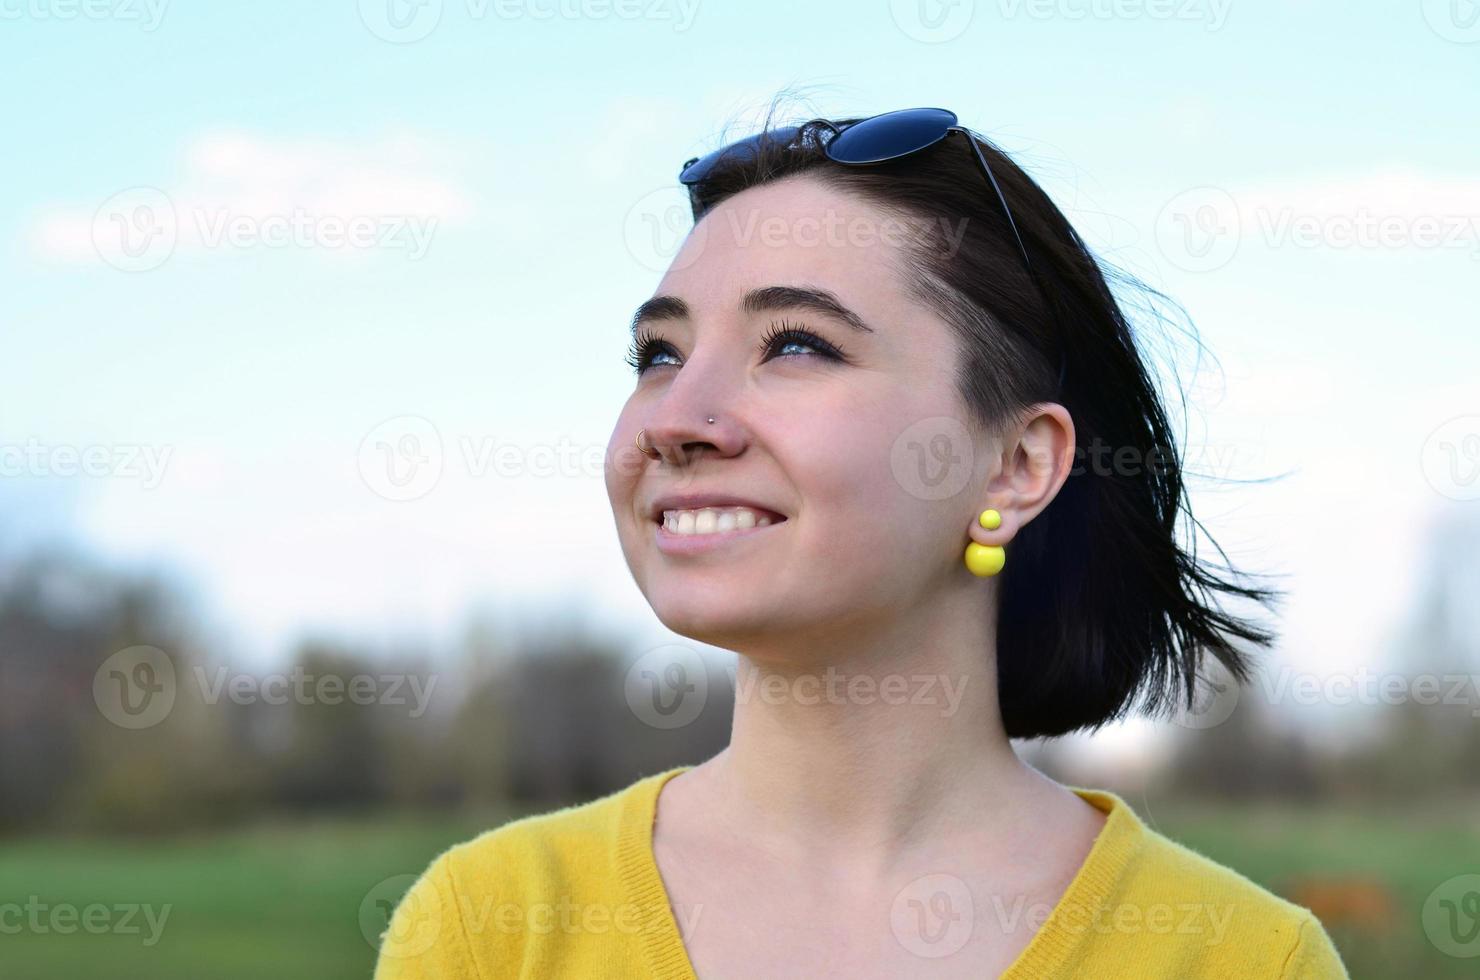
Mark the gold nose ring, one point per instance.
(653, 453)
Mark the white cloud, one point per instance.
(1402, 192)
(1375, 210)
(304, 192)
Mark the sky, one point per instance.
(250, 249)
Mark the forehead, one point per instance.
(790, 231)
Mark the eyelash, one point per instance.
(647, 344)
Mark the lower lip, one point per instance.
(692, 544)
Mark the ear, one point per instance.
(1036, 460)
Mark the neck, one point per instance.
(877, 741)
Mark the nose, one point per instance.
(709, 385)
(681, 440)
(691, 421)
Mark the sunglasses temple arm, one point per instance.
(982, 162)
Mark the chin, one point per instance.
(714, 620)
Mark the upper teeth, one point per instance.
(713, 520)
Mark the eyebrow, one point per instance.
(766, 299)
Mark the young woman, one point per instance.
(892, 441)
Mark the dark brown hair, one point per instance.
(1102, 606)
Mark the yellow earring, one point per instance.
(986, 559)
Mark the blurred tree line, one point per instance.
(534, 715)
(1409, 731)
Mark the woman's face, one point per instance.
(866, 458)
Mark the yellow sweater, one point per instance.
(577, 893)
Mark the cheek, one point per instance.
(621, 467)
(861, 523)
(847, 487)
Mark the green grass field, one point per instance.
(283, 900)
(277, 901)
(1411, 850)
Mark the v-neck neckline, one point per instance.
(1051, 947)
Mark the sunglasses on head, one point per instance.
(877, 139)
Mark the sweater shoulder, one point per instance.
(1193, 876)
(1227, 909)
(516, 898)
(553, 851)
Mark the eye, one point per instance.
(782, 335)
(650, 350)
(646, 347)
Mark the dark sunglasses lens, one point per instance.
(893, 134)
(740, 151)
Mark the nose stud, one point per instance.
(653, 453)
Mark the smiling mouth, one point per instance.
(705, 522)
(677, 542)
